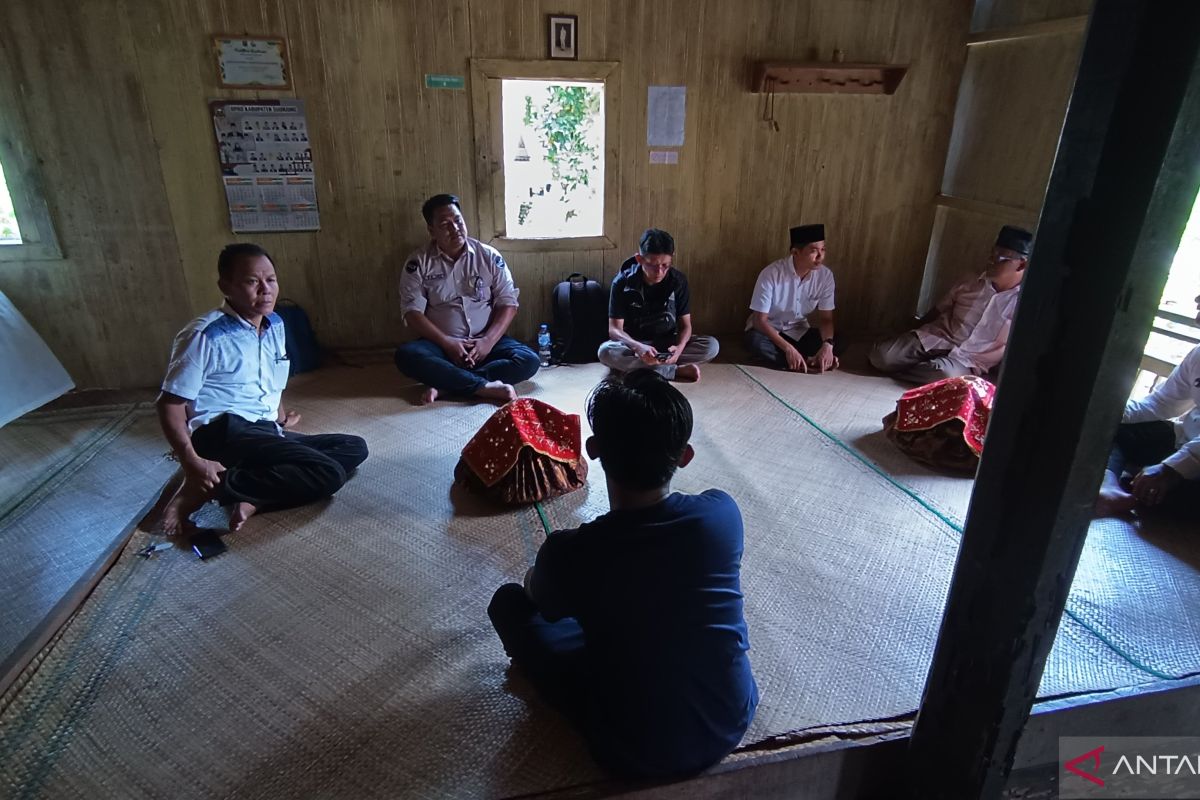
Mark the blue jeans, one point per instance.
(509, 362)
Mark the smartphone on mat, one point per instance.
(207, 544)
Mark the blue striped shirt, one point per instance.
(221, 365)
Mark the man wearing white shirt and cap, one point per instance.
(791, 310)
(967, 332)
(1159, 441)
(219, 406)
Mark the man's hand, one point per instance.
(824, 360)
(202, 472)
(480, 348)
(647, 354)
(290, 420)
(1152, 484)
(458, 351)
(676, 351)
(795, 361)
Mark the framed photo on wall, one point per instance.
(562, 31)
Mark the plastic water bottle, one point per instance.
(544, 345)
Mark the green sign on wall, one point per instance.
(445, 82)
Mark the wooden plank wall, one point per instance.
(114, 93)
(1008, 117)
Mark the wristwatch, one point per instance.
(828, 342)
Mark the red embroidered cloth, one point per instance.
(524, 422)
(968, 399)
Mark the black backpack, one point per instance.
(299, 337)
(580, 319)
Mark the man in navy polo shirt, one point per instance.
(632, 623)
(219, 406)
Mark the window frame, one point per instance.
(487, 77)
(22, 173)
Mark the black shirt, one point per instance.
(650, 312)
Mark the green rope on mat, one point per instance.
(859, 456)
(951, 523)
(542, 514)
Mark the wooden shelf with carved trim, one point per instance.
(784, 77)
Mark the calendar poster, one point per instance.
(266, 165)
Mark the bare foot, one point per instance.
(1113, 500)
(688, 372)
(497, 392)
(186, 501)
(428, 396)
(1114, 503)
(241, 512)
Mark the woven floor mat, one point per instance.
(852, 407)
(343, 649)
(1137, 587)
(70, 483)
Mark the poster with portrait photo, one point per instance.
(562, 31)
(266, 164)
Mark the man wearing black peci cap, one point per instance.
(967, 332)
(791, 311)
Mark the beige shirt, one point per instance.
(973, 323)
(457, 295)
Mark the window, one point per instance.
(546, 175)
(10, 232)
(25, 230)
(1175, 331)
(553, 159)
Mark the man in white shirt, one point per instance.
(1160, 434)
(791, 311)
(457, 295)
(219, 406)
(967, 332)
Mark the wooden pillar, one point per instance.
(1122, 186)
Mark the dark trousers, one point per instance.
(273, 471)
(760, 345)
(1138, 444)
(551, 654)
(509, 362)
(554, 657)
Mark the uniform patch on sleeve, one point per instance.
(411, 267)
(498, 260)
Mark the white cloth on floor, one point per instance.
(34, 375)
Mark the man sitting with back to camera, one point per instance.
(219, 407)
(650, 318)
(632, 624)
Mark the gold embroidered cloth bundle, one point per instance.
(943, 424)
(527, 451)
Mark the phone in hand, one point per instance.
(207, 544)
(662, 356)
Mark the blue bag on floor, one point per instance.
(300, 339)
